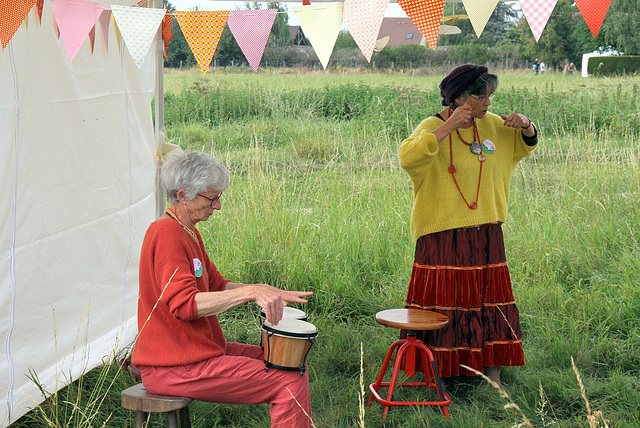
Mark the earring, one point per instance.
(184, 203)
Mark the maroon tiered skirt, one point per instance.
(463, 274)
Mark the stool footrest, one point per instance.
(381, 400)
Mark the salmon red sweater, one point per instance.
(172, 333)
(437, 203)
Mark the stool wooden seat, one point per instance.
(411, 320)
(143, 402)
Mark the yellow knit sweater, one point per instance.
(438, 204)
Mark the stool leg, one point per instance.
(172, 419)
(427, 355)
(385, 365)
(396, 369)
(185, 419)
(141, 419)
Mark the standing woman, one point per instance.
(460, 162)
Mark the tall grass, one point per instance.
(318, 202)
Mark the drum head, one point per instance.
(288, 312)
(290, 327)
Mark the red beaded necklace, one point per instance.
(481, 158)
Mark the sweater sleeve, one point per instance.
(180, 288)
(420, 148)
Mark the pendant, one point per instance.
(481, 158)
(475, 148)
(473, 206)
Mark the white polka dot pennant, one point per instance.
(479, 12)
(363, 18)
(321, 24)
(138, 27)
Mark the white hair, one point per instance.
(193, 172)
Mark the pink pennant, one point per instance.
(251, 30)
(75, 18)
(593, 12)
(105, 20)
(363, 18)
(537, 13)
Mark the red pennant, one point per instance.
(593, 12)
(167, 35)
(39, 7)
(12, 15)
(426, 16)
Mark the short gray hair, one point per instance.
(193, 172)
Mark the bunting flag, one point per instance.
(202, 29)
(479, 12)
(75, 18)
(138, 27)
(105, 19)
(39, 7)
(593, 12)
(251, 30)
(167, 35)
(116, 32)
(363, 18)
(426, 16)
(321, 24)
(12, 15)
(92, 37)
(537, 13)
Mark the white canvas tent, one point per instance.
(77, 165)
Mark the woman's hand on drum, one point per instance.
(273, 300)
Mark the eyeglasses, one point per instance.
(482, 98)
(212, 200)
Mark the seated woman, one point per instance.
(181, 348)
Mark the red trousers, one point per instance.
(238, 377)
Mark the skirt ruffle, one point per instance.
(463, 274)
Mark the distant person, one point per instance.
(460, 161)
(181, 348)
(565, 69)
(536, 64)
(543, 67)
(571, 68)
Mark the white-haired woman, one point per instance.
(181, 348)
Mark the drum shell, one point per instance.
(286, 350)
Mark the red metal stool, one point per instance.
(411, 320)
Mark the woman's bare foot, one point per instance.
(493, 373)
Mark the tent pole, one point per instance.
(159, 113)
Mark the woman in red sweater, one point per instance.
(181, 348)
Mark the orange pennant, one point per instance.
(12, 15)
(92, 37)
(426, 15)
(39, 7)
(202, 29)
(593, 12)
(167, 35)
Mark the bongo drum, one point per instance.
(287, 344)
(287, 312)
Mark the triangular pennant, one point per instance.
(251, 30)
(39, 7)
(105, 20)
(12, 15)
(92, 37)
(75, 18)
(116, 32)
(167, 35)
(426, 16)
(138, 27)
(593, 12)
(363, 18)
(202, 29)
(537, 13)
(479, 12)
(321, 24)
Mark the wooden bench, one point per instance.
(138, 399)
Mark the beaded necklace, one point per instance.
(476, 151)
(175, 217)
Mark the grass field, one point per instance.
(318, 202)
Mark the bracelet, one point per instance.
(528, 125)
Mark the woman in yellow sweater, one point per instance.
(460, 162)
